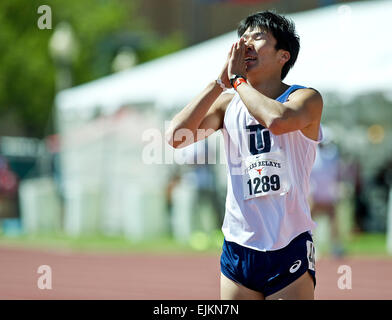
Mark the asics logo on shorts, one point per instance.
(295, 266)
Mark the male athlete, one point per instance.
(271, 131)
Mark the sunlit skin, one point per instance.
(255, 57)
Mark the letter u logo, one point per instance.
(259, 139)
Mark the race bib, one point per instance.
(265, 174)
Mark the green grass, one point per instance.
(116, 244)
(368, 244)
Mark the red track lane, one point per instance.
(162, 277)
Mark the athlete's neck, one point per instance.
(272, 88)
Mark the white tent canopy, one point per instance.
(345, 49)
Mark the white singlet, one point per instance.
(267, 180)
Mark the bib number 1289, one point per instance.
(263, 184)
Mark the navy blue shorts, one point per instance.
(269, 271)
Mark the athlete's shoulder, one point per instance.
(307, 92)
(225, 99)
(306, 96)
(214, 119)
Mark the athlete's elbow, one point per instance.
(178, 138)
(276, 126)
(169, 138)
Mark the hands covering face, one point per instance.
(235, 63)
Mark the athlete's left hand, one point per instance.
(237, 65)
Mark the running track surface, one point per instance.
(162, 277)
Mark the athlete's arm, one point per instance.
(301, 112)
(203, 115)
(303, 109)
(200, 118)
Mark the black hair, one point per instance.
(283, 30)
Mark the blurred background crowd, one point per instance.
(77, 100)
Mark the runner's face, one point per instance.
(261, 55)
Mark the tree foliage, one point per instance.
(28, 72)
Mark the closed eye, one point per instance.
(258, 36)
(255, 36)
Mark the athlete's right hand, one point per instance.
(224, 73)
